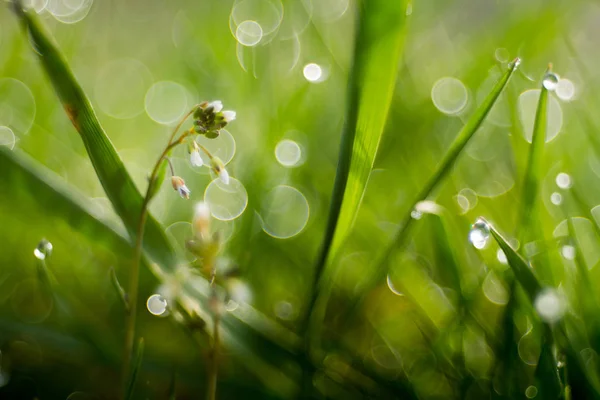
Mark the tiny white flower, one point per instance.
(224, 176)
(195, 158)
(228, 115)
(216, 105)
(179, 186)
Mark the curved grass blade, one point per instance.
(523, 272)
(137, 363)
(379, 266)
(378, 46)
(534, 172)
(116, 181)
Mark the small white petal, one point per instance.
(224, 176)
(229, 115)
(195, 158)
(184, 191)
(216, 105)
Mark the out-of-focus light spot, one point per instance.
(393, 288)
(462, 202)
(568, 252)
(501, 256)
(449, 95)
(550, 81)
(285, 212)
(565, 90)
(268, 14)
(239, 290)
(502, 55)
(249, 33)
(479, 234)
(37, 5)
(312, 72)
(429, 207)
(284, 310)
(409, 9)
(549, 305)
(529, 348)
(223, 146)
(7, 137)
(528, 101)
(156, 304)
(329, 10)
(531, 392)
(69, 11)
(231, 305)
(166, 102)
(120, 88)
(494, 289)
(296, 17)
(17, 106)
(226, 202)
(288, 153)
(556, 198)
(563, 180)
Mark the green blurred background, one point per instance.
(436, 328)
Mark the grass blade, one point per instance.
(523, 272)
(379, 267)
(137, 362)
(113, 176)
(378, 45)
(534, 172)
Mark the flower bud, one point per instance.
(219, 169)
(201, 220)
(229, 115)
(195, 158)
(179, 186)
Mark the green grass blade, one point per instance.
(137, 363)
(378, 45)
(113, 176)
(379, 266)
(523, 272)
(534, 172)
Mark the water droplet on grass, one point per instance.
(479, 234)
(550, 81)
(501, 257)
(156, 304)
(416, 214)
(43, 250)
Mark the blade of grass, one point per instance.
(137, 363)
(378, 45)
(116, 181)
(534, 172)
(379, 266)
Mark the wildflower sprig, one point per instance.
(209, 119)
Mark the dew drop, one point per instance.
(479, 234)
(43, 250)
(550, 81)
(516, 62)
(549, 305)
(556, 198)
(563, 180)
(416, 214)
(156, 304)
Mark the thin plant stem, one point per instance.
(213, 370)
(137, 254)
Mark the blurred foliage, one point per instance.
(449, 321)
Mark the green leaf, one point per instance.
(113, 176)
(137, 362)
